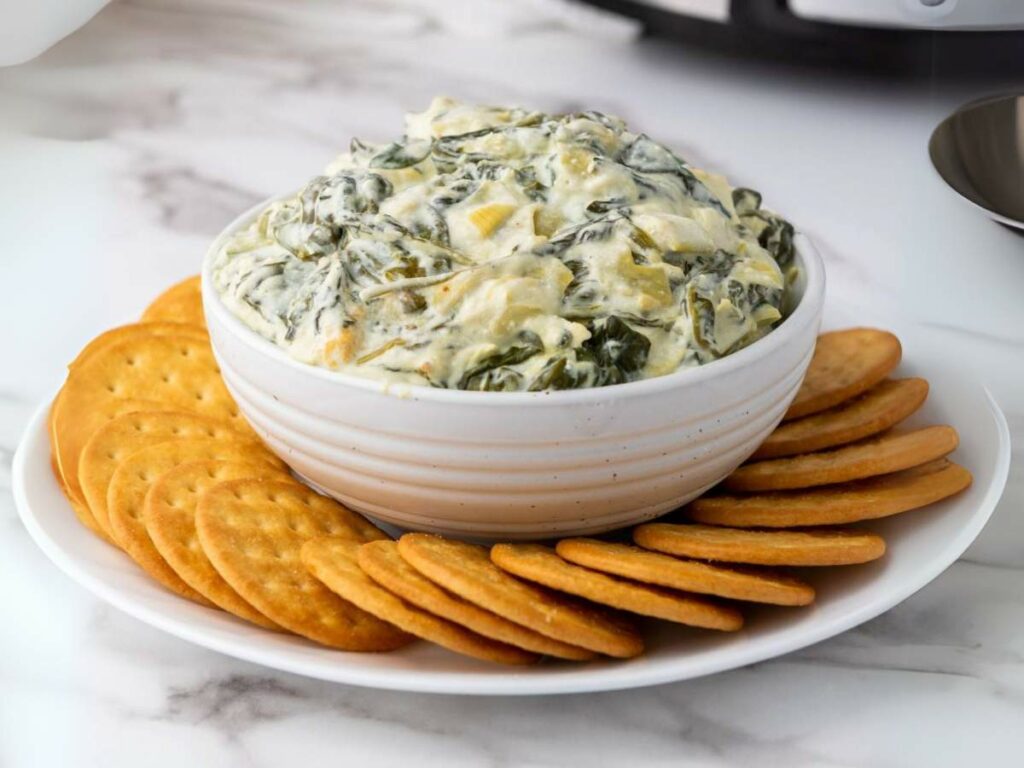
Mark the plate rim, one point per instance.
(616, 676)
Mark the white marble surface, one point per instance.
(126, 147)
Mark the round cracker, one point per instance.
(686, 575)
(833, 505)
(880, 408)
(177, 372)
(109, 338)
(81, 510)
(845, 364)
(253, 532)
(739, 545)
(466, 569)
(878, 456)
(181, 303)
(543, 566)
(79, 507)
(381, 561)
(123, 435)
(169, 513)
(132, 479)
(134, 330)
(334, 562)
(77, 433)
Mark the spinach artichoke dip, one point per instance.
(502, 249)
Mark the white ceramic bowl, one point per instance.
(520, 464)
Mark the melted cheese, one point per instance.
(495, 248)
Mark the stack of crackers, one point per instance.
(154, 457)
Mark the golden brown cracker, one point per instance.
(107, 339)
(181, 303)
(467, 570)
(253, 532)
(78, 506)
(740, 545)
(132, 479)
(169, 513)
(835, 504)
(543, 566)
(333, 561)
(51, 433)
(78, 428)
(134, 330)
(686, 575)
(82, 511)
(882, 455)
(845, 364)
(381, 561)
(124, 435)
(881, 407)
(177, 372)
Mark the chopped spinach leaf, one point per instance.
(745, 201)
(401, 154)
(619, 351)
(530, 345)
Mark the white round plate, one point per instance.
(922, 544)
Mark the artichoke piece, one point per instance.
(488, 218)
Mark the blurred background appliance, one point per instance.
(926, 37)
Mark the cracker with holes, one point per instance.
(253, 532)
(837, 504)
(333, 561)
(63, 445)
(176, 371)
(629, 562)
(181, 303)
(878, 456)
(135, 330)
(845, 364)
(466, 570)
(542, 565)
(381, 561)
(132, 479)
(169, 514)
(124, 435)
(67, 473)
(739, 545)
(881, 407)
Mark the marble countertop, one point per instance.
(125, 148)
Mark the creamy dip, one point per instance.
(501, 249)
